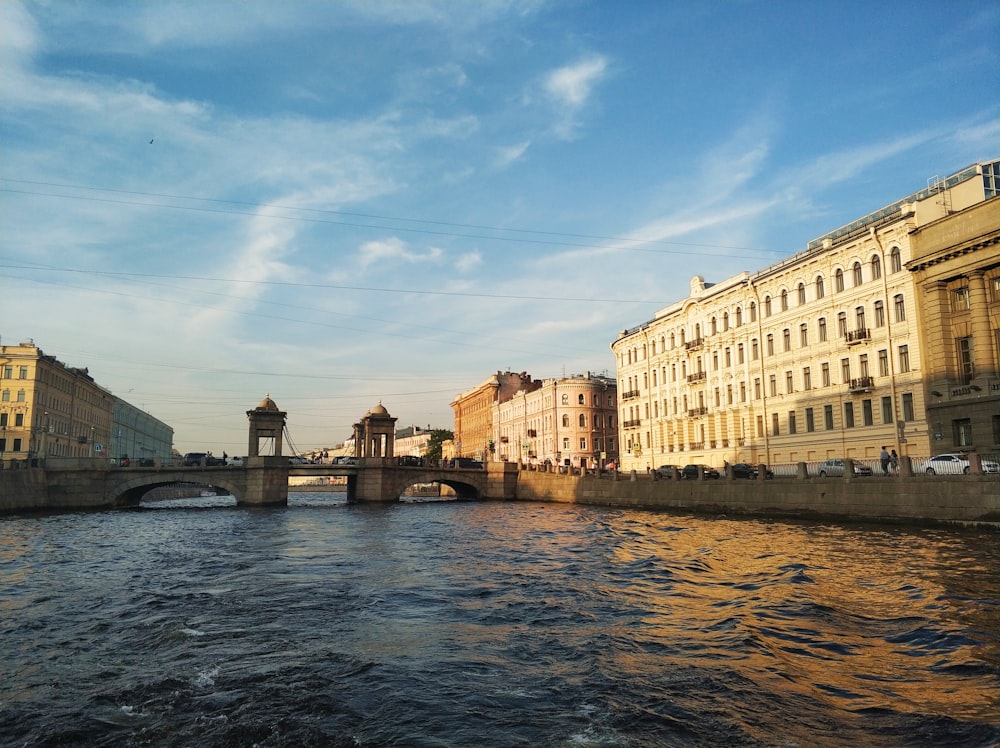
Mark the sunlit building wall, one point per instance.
(817, 356)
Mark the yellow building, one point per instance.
(817, 356)
(474, 411)
(50, 410)
(956, 264)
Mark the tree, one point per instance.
(433, 451)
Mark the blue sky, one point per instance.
(352, 202)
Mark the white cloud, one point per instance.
(469, 261)
(395, 249)
(571, 85)
(512, 153)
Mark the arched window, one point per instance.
(786, 336)
(857, 274)
(876, 267)
(739, 316)
(753, 311)
(565, 399)
(820, 292)
(715, 327)
(803, 335)
(682, 337)
(842, 324)
(581, 400)
(802, 294)
(784, 300)
(672, 342)
(859, 317)
(822, 329)
(900, 307)
(697, 331)
(767, 306)
(838, 280)
(583, 421)
(770, 344)
(895, 260)
(565, 420)
(725, 321)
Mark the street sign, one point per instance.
(98, 447)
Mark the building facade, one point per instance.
(956, 265)
(817, 356)
(568, 421)
(474, 411)
(50, 410)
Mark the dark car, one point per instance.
(666, 471)
(690, 472)
(197, 459)
(411, 461)
(744, 470)
(465, 462)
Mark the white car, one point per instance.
(956, 464)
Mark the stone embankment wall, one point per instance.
(970, 499)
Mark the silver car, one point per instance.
(956, 464)
(835, 468)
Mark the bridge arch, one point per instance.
(130, 489)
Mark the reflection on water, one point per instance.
(455, 624)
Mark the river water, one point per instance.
(190, 623)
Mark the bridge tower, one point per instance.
(375, 433)
(266, 422)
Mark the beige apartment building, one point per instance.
(568, 421)
(474, 412)
(956, 265)
(51, 410)
(820, 355)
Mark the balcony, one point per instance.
(862, 384)
(698, 376)
(631, 424)
(630, 394)
(692, 412)
(857, 336)
(694, 345)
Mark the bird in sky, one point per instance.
(151, 141)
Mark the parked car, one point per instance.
(690, 472)
(465, 462)
(956, 464)
(666, 471)
(345, 460)
(835, 468)
(744, 470)
(234, 461)
(197, 459)
(299, 460)
(411, 461)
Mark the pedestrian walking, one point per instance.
(894, 461)
(884, 459)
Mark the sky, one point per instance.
(346, 203)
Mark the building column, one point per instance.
(982, 339)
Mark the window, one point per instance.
(802, 294)
(20, 396)
(717, 397)
(857, 274)
(962, 431)
(725, 321)
(825, 370)
(908, 406)
(810, 420)
(8, 372)
(566, 444)
(565, 421)
(786, 336)
(580, 399)
(583, 421)
(760, 425)
(867, 416)
(774, 424)
(739, 316)
(883, 363)
(863, 364)
(755, 349)
(994, 284)
(838, 280)
(879, 314)
(960, 299)
(729, 394)
(729, 358)
(822, 329)
(845, 370)
(996, 429)
(789, 383)
(739, 353)
(767, 306)
(842, 324)
(784, 300)
(5, 396)
(583, 443)
(820, 292)
(859, 317)
(807, 381)
(848, 415)
(887, 409)
(965, 367)
(743, 392)
(900, 306)
(876, 267)
(828, 417)
(565, 397)
(770, 344)
(803, 335)
(772, 382)
(904, 358)
(22, 372)
(756, 388)
(895, 260)
(753, 311)
(715, 327)
(791, 422)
